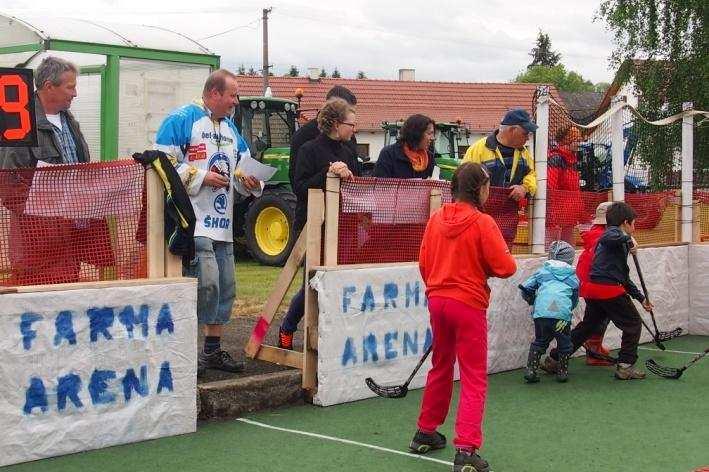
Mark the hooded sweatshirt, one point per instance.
(461, 248)
(554, 290)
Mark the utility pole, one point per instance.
(265, 69)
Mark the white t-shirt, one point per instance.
(56, 120)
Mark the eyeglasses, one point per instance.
(346, 123)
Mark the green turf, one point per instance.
(592, 423)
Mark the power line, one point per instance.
(247, 25)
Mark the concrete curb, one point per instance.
(224, 399)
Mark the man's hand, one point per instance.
(647, 305)
(251, 183)
(216, 180)
(518, 192)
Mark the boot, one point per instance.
(550, 365)
(469, 461)
(628, 372)
(425, 442)
(595, 343)
(562, 371)
(530, 373)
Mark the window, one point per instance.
(362, 150)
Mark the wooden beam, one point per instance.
(289, 271)
(332, 218)
(373, 265)
(173, 264)
(313, 228)
(96, 285)
(280, 356)
(435, 201)
(156, 225)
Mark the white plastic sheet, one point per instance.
(62, 392)
(382, 327)
(699, 289)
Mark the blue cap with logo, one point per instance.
(521, 118)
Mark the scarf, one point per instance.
(417, 157)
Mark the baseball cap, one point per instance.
(601, 210)
(521, 118)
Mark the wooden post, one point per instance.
(617, 147)
(537, 231)
(332, 218)
(687, 232)
(313, 228)
(678, 216)
(156, 225)
(435, 201)
(696, 222)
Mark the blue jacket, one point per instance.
(553, 289)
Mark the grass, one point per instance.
(254, 282)
(592, 423)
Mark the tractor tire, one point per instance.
(269, 226)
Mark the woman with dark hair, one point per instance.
(326, 153)
(461, 248)
(411, 156)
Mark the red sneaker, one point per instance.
(596, 344)
(285, 340)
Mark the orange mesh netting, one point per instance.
(383, 220)
(72, 223)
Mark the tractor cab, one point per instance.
(449, 146)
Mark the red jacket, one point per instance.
(588, 289)
(461, 248)
(564, 204)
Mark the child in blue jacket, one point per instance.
(554, 292)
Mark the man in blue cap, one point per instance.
(511, 165)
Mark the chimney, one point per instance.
(313, 73)
(407, 74)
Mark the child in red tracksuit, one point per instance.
(588, 289)
(461, 248)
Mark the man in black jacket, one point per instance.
(610, 267)
(310, 131)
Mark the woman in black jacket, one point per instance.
(411, 156)
(326, 153)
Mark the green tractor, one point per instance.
(451, 141)
(265, 224)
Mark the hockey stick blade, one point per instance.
(667, 335)
(662, 371)
(395, 391)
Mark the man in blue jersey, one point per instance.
(205, 147)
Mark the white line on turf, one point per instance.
(668, 350)
(344, 441)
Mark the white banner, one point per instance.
(90, 368)
(698, 292)
(374, 322)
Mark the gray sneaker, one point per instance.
(469, 462)
(628, 372)
(219, 360)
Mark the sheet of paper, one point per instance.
(248, 166)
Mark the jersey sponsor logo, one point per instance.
(217, 138)
(219, 163)
(197, 152)
(220, 203)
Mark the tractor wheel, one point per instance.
(269, 226)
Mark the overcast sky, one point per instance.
(444, 40)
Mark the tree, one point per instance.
(671, 37)
(293, 72)
(567, 81)
(601, 87)
(241, 70)
(336, 74)
(251, 71)
(542, 55)
(361, 75)
(323, 73)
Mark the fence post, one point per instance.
(617, 150)
(156, 225)
(687, 172)
(435, 201)
(541, 147)
(332, 218)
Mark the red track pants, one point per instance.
(458, 331)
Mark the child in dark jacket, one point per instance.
(611, 273)
(554, 292)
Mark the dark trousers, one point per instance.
(622, 312)
(546, 329)
(295, 313)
